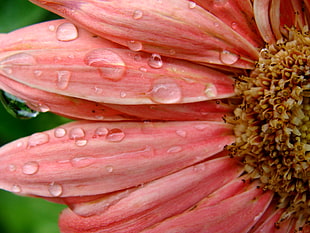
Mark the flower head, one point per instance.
(208, 110)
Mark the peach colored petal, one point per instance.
(89, 158)
(153, 25)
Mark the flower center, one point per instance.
(272, 124)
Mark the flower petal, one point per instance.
(153, 25)
(89, 158)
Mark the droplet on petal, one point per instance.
(135, 45)
(38, 139)
(137, 14)
(60, 132)
(210, 90)
(115, 135)
(228, 58)
(16, 188)
(174, 149)
(19, 59)
(155, 61)
(55, 189)
(191, 5)
(30, 168)
(101, 131)
(66, 32)
(181, 133)
(63, 79)
(12, 168)
(109, 168)
(81, 142)
(83, 161)
(110, 64)
(76, 133)
(165, 91)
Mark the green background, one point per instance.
(24, 214)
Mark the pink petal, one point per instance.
(84, 158)
(154, 201)
(116, 76)
(153, 25)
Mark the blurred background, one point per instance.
(25, 214)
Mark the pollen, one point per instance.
(272, 124)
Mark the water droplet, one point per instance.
(216, 24)
(51, 28)
(38, 107)
(137, 14)
(81, 142)
(234, 25)
(12, 168)
(191, 5)
(172, 52)
(199, 167)
(30, 168)
(111, 65)
(134, 45)
(155, 61)
(98, 90)
(66, 32)
(174, 149)
(201, 127)
(76, 133)
(109, 168)
(143, 69)
(55, 189)
(63, 78)
(19, 59)
(82, 161)
(165, 91)
(16, 188)
(60, 132)
(19, 144)
(181, 133)
(37, 73)
(38, 139)
(101, 131)
(210, 90)
(228, 58)
(137, 58)
(115, 135)
(123, 94)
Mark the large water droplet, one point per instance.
(63, 79)
(60, 132)
(155, 61)
(66, 32)
(137, 14)
(38, 139)
(76, 133)
(115, 135)
(101, 131)
(228, 58)
(83, 161)
(55, 189)
(16, 188)
(110, 64)
(210, 90)
(165, 91)
(19, 59)
(135, 45)
(30, 168)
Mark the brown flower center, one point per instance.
(272, 124)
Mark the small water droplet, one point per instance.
(83, 161)
(216, 24)
(16, 188)
(55, 189)
(115, 135)
(134, 45)
(38, 107)
(191, 5)
(201, 127)
(76, 133)
(137, 14)
(137, 58)
(172, 52)
(37, 73)
(210, 90)
(228, 58)
(111, 65)
(98, 90)
(199, 167)
(81, 142)
(19, 144)
(38, 139)
(30, 168)
(12, 168)
(174, 149)
(51, 28)
(101, 131)
(181, 133)
(66, 32)
(165, 91)
(60, 132)
(123, 94)
(63, 79)
(109, 168)
(155, 61)
(99, 118)
(234, 25)
(143, 69)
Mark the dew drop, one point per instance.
(109, 168)
(66, 32)
(123, 94)
(137, 14)
(51, 28)
(60, 132)
(55, 189)
(38, 139)
(12, 168)
(210, 90)
(82, 161)
(155, 61)
(38, 107)
(19, 59)
(37, 73)
(19, 144)
(135, 45)
(234, 25)
(81, 142)
(115, 135)
(165, 91)
(181, 133)
(63, 79)
(143, 69)
(191, 5)
(200, 127)
(101, 131)
(16, 188)
(76, 133)
(174, 149)
(111, 65)
(30, 168)
(228, 58)
(137, 58)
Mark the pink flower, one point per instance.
(193, 116)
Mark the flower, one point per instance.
(208, 110)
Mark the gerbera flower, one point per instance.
(223, 85)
